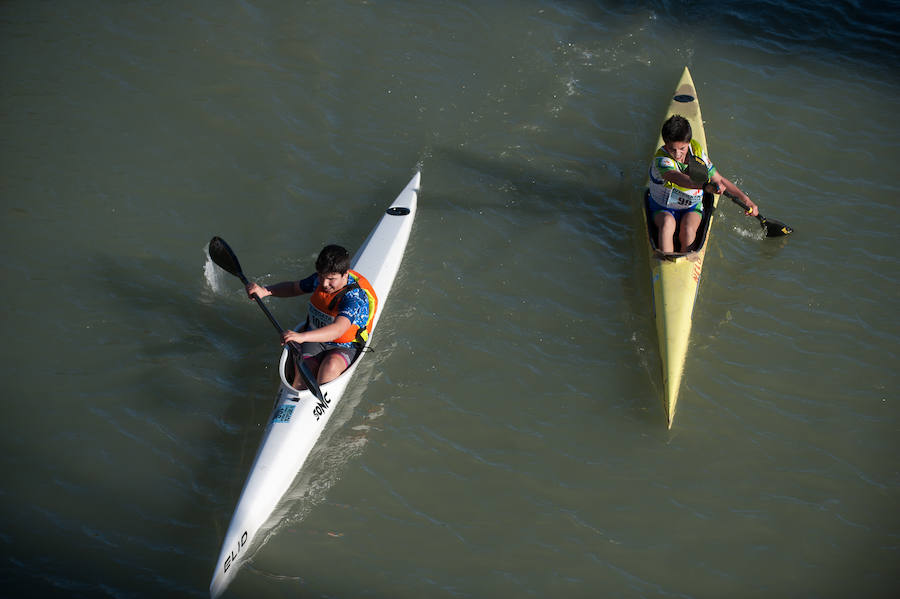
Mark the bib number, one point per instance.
(680, 200)
(318, 319)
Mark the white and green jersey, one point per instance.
(665, 193)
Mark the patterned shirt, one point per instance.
(354, 306)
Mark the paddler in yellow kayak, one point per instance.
(340, 314)
(674, 196)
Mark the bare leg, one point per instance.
(665, 223)
(690, 222)
(331, 368)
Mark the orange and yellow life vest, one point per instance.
(324, 307)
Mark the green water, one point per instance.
(507, 438)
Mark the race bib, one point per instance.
(680, 200)
(318, 319)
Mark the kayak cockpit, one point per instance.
(709, 207)
(286, 369)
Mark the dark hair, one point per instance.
(676, 128)
(333, 259)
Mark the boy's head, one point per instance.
(333, 259)
(676, 128)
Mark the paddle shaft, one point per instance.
(746, 208)
(295, 348)
(773, 228)
(262, 305)
(224, 257)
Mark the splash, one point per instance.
(755, 233)
(213, 274)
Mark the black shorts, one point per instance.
(315, 351)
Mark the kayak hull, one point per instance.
(675, 278)
(298, 418)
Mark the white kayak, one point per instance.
(298, 417)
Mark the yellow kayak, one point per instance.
(676, 277)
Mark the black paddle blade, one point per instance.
(697, 170)
(222, 255)
(776, 229)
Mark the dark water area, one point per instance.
(507, 437)
(841, 32)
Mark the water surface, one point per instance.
(507, 438)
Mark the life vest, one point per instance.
(666, 193)
(323, 309)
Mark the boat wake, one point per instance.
(325, 466)
(327, 462)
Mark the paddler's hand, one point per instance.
(753, 209)
(259, 290)
(291, 336)
(713, 187)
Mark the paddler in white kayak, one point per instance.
(674, 196)
(340, 314)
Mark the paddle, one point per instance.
(699, 174)
(773, 228)
(223, 256)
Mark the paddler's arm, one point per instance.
(285, 289)
(723, 184)
(320, 335)
(680, 179)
